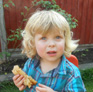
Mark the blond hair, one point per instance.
(43, 22)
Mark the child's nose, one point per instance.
(51, 44)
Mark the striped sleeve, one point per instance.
(75, 84)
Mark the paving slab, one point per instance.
(6, 77)
(86, 66)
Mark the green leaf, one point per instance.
(24, 19)
(86, 50)
(11, 39)
(83, 55)
(69, 15)
(74, 26)
(22, 13)
(5, 73)
(18, 29)
(6, 53)
(53, 1)
(6, 5)
(10, 1)
(16, 35)
(26, 7)
(20, 37)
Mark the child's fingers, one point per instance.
(15, 77)
(39, 89)
(43, 86)
(20, 83)
(19, 79)
(22, 87)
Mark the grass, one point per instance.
(87, 76)
(8, 86)
(89, 85)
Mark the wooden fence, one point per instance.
(82, 10)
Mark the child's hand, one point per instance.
(18, 81)
(43, 88)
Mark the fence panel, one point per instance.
(82, 10)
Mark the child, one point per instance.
(47, 42)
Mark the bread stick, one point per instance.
(29, 81)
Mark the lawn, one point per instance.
(10, 87)
(89, 85)
(87, 76)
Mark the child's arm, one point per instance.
(75, 85)
(18, 81)
(43, 88)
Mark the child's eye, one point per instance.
(58, 37)
(43, 38)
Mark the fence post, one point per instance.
(2, 32)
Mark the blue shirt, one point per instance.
(65, 78)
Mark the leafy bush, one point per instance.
(47, 5)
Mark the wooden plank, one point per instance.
(84, 21)
(65, 5)
(10, 21)
(18, 11)
(91, 33)
(68, 4)
(89, 21)
(61, 4)
(74, 12)
(28, 4)
(78, 15)
(80, 10)
(19, 18)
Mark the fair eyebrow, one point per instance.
(55, 34)
(61, 35)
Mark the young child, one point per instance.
(47, 42)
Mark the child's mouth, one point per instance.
(51, 53)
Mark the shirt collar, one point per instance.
(36, 63)
(61, 69)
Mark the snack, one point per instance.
(29, 81)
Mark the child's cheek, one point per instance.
(40, 49)
(61, 47)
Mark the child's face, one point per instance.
(50, 47)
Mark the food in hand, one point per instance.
(29, 81)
